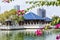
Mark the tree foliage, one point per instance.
(55, 20)
(42, 3)
(8, 1)
(7, 14)
(12, 15)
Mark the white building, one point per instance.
(0, 9)
(41, 12)
(17, 7)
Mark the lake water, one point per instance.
(16, 35)
(47, 37)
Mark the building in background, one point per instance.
(0, 9)
(41, 12)
(17, 7)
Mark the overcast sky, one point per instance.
(50, 10)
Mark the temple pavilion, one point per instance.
(31, 19)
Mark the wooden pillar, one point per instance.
(34, 22)
(29, 22)
(19, 23)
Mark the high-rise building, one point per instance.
(41, 12)
(17, 7)
(0, 9)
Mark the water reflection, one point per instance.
(18, 35)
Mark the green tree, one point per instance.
(42, 3)
(55, 20)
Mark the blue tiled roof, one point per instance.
(32, 16)
(47, 19)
